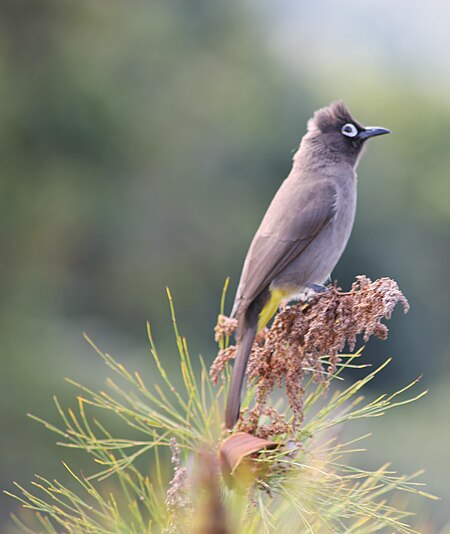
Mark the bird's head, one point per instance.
(334, 127)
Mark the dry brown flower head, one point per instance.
(178, 498)
(307, 340)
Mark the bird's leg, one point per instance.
(317, 288)
(304, 296)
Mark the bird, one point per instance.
(303, 232)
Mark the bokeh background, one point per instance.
(141, 142)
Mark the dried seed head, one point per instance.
(225, 327)
(178, 499)
(223, 356)
(307, 340)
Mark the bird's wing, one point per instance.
(292, 222)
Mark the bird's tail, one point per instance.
(256, 318)
(237, 377)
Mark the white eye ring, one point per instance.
(349, 129)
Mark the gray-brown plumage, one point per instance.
(303, 232)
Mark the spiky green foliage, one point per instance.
(306, 488)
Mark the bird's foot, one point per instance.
(305, 296)
(317, 288)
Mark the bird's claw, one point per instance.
(318, 288)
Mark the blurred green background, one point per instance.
(141, 142)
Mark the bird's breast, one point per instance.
(316, 262)
(345, 212)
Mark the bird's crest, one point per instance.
(331, 118)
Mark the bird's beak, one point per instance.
(372, 131)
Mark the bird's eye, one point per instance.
(349, 129)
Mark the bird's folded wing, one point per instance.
(289, 226)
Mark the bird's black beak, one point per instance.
(372, 131)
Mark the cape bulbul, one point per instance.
(303, 232)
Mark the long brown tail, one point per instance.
(237, 377)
